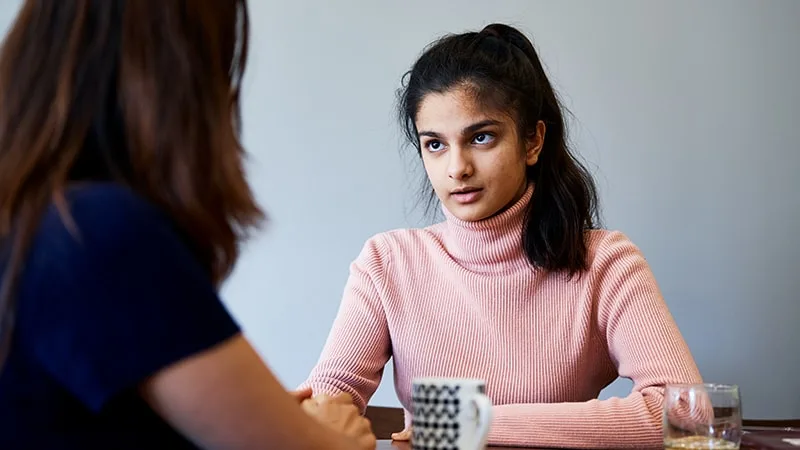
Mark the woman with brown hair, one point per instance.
(122, 206)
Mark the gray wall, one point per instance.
(686, 111)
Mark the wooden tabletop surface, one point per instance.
(389, 445)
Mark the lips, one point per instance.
(465, 190)
(466, 195)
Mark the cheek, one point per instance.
(512, 167)
(432, 171)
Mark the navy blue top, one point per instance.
(97, 312)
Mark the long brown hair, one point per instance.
(140, 92)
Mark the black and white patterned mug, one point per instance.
(449, 414)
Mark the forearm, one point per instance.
(226, 398)
(358, 345)
(630, 422)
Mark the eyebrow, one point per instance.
(467, 130)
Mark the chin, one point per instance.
(470, 213)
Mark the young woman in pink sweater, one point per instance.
(517, 286)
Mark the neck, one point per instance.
(491, 245)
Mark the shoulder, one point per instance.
(105, 212)
(394, 246)
(103, 218)
(610, 246)
(617, 264)
(107, 242)
(101, 228)
(618, 271)
(108, 195)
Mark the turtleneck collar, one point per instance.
(491, 245)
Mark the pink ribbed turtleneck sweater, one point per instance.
(458, 299)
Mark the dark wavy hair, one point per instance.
(501, 68)
(140, 92)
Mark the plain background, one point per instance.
(687, 112)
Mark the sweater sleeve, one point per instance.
(643, 342)
(358, 346)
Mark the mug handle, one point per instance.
(484, 407)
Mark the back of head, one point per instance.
(139, 92)
(500, 67)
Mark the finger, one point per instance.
(302, 394)
(404, 435)
(322, 398)
(343, 397)
(309, 405)
(370, 442)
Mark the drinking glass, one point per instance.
(702, 416)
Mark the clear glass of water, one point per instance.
(702, 416)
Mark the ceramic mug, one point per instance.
(449, 413)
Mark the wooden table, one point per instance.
(389, 445)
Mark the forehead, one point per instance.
(453, 110)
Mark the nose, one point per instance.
(459, 166)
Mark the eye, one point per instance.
(434, 146)
(483, 138)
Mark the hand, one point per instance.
(404, 435)
(340, 415)
(302, 394)
(342, 398)
(310, 403)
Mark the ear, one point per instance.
(534, 144)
